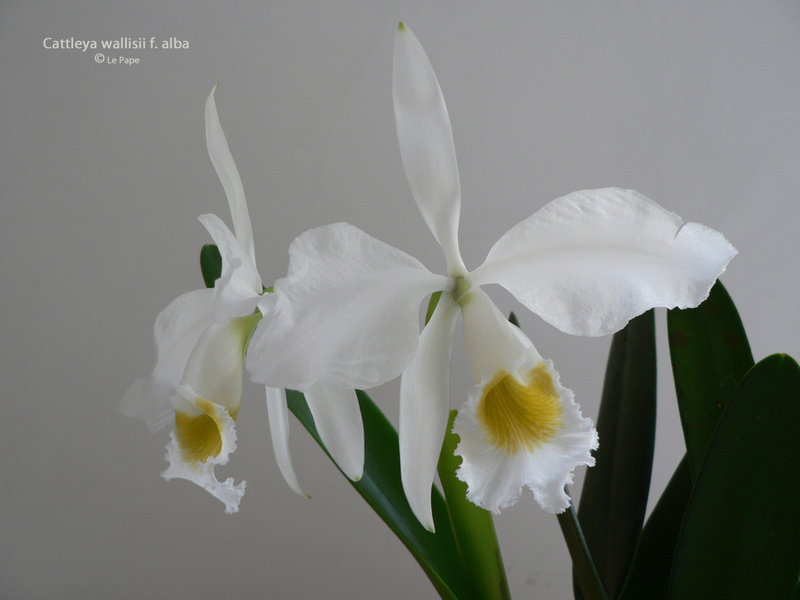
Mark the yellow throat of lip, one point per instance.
(200, 437)
(519, 415)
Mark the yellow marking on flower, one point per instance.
(518, 415)
(199, 436)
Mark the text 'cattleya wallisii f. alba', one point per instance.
(201, 342)
(586, 263)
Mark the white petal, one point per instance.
(229, 176)
(495, 478)
(426, 142)
(279, 430)
(179, 456)
(206, 405)
(424, 409)
(238, 290)
(348, 312)
(496, 472)
(214, 369)
(337, 417)
(177, 329)
(590, 261)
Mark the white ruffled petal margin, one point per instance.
(279, 430)
(495, 479)
(337, 417)
(590, 261)
(177, 329)
(228, 174)
(347, 313)
(426, 143)
(543, 447)
(424, 409)
(182, 457)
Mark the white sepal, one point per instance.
(424, 409)
(337, 417)
(279, 430)
(426, 143)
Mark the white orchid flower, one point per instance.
(586, 263)
(201, 341)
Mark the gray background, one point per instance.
(104, 169)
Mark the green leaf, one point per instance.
(587, 582)
(473, 527)
(649, 576)
(741, 534)
(710, 356)
(381, 487)
(434, 301)
(210, 264)
(615, 490)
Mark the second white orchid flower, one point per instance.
(587, 263)
(201, 341)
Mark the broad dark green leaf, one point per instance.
(741, 534)
(211, 264)
(710, 356)
(614, 496)
(473, 527)
(649, 576)
(381, 487)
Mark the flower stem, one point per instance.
(582, 562)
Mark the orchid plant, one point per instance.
(591, 263)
